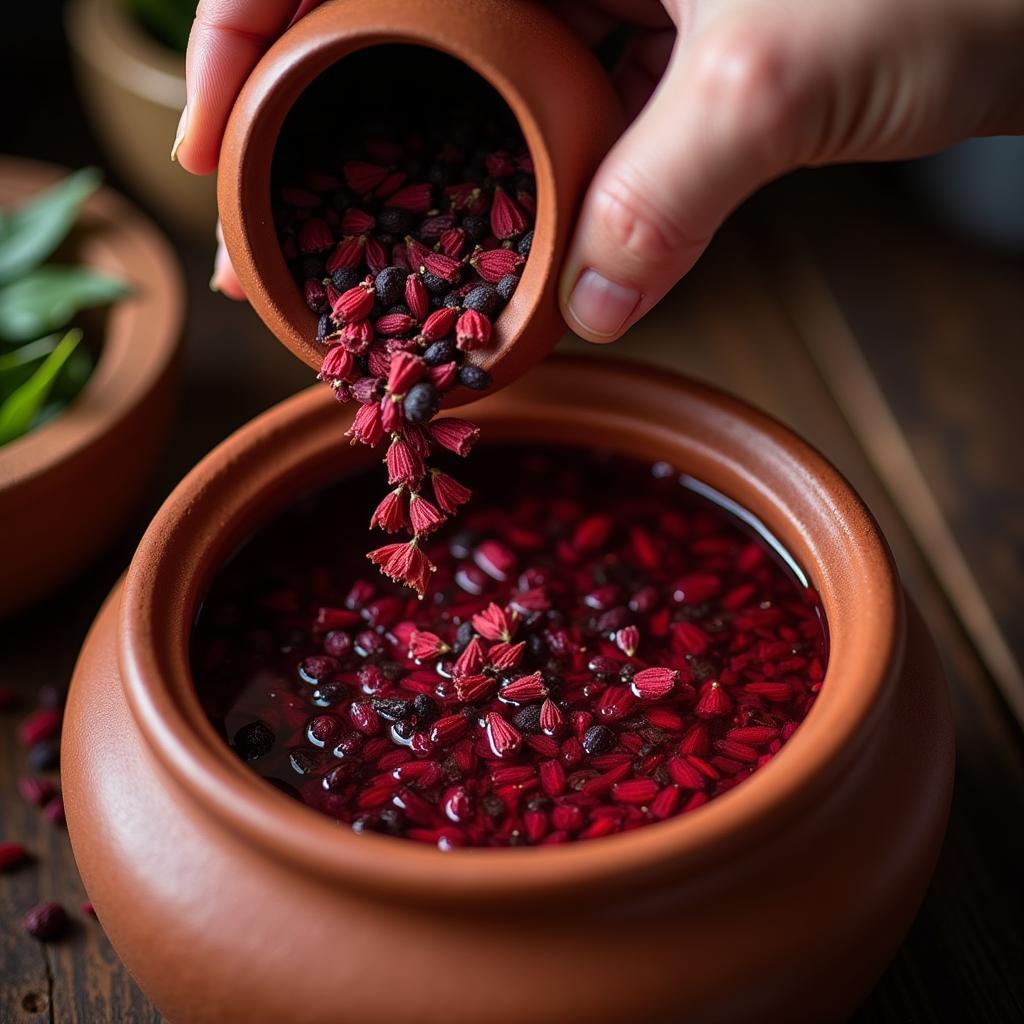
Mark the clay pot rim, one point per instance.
(306, 50)
(143, 331)
(225, 493)
(104, 35)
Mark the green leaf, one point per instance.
(18, 365)
(46, 299)
(31, 233)
(19, 410)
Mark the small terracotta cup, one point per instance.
(782, 900)
(66, 488)
(560, 95)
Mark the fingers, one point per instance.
(224, 279)
(726, 117)
(228, 38)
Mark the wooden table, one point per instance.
(831, 302)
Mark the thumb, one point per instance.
(729, 114)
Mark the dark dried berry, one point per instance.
(398, 308)
(598, 739)
(484, 299)
(440, 352)
(337, 778)
(46, 921)
(420, 403)
(254, 740)
(434, 284)
(475, 227)
(463, 635)
(527, 719)
(324, 327)
(523, 248)
(317, 668)
(389, 286)
(344, 278)
(329, 694)
(475, 378)
(45, 755)
(394, 221)
(506, 286)
(452, 301)
(427, 709)
(394, 709)
(303, 761)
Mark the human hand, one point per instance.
(726, 95)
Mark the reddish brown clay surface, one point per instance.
(562, 98)
(782, 900)
(67, 487)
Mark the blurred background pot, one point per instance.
(133, 87)
(782, 900)
(69, 485)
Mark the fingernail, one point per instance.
(179, 137)
(601, 307)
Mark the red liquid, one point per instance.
(601, 568)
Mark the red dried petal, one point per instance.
(654, 683)
(453, 242)
(315, 235)
(507, 220)
(471, 660)
(366, 425)
(348, 253)
(414, 198)
(448, 492)
(357, 222)
(472, 331)
(503, 656)
(457, 435)
(494, 623)
(442, 266)
(425, 646)
(417, 298)
(474, 688)
(439, 324)
(390, 513)
(503, 737)
(424, 516)
(337, 363)
(525, 689)
(627, 640)
(405, 370)
(354, 304)
(552, 721)
(363, 177)
(404, 465)
(714, 701)
(494, 264)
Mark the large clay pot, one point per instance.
(133, 89)
(782, 900)
(66, 488)
(554, 86)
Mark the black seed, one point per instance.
(254, 740)
(434, 284)
(475, 227)
(598, 739)
(420, 403)
(344, 278)
(463, 635)
(475, 378)
(337, 778)
(389, 286)
(527, 719)
(394, 221)
(329, 694)
(45, 755)
(324, 327)
(523, 248)
(439, 352)
(47, 921)
(303, 761)
(426, 708)
(506, 286)
(484, 299)
(394, 709)
(536, 647)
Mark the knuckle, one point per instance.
(744, 77)
(634, 222)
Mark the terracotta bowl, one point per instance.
(66, 488)
(560, 95)
(782, 900)
(133, 89)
